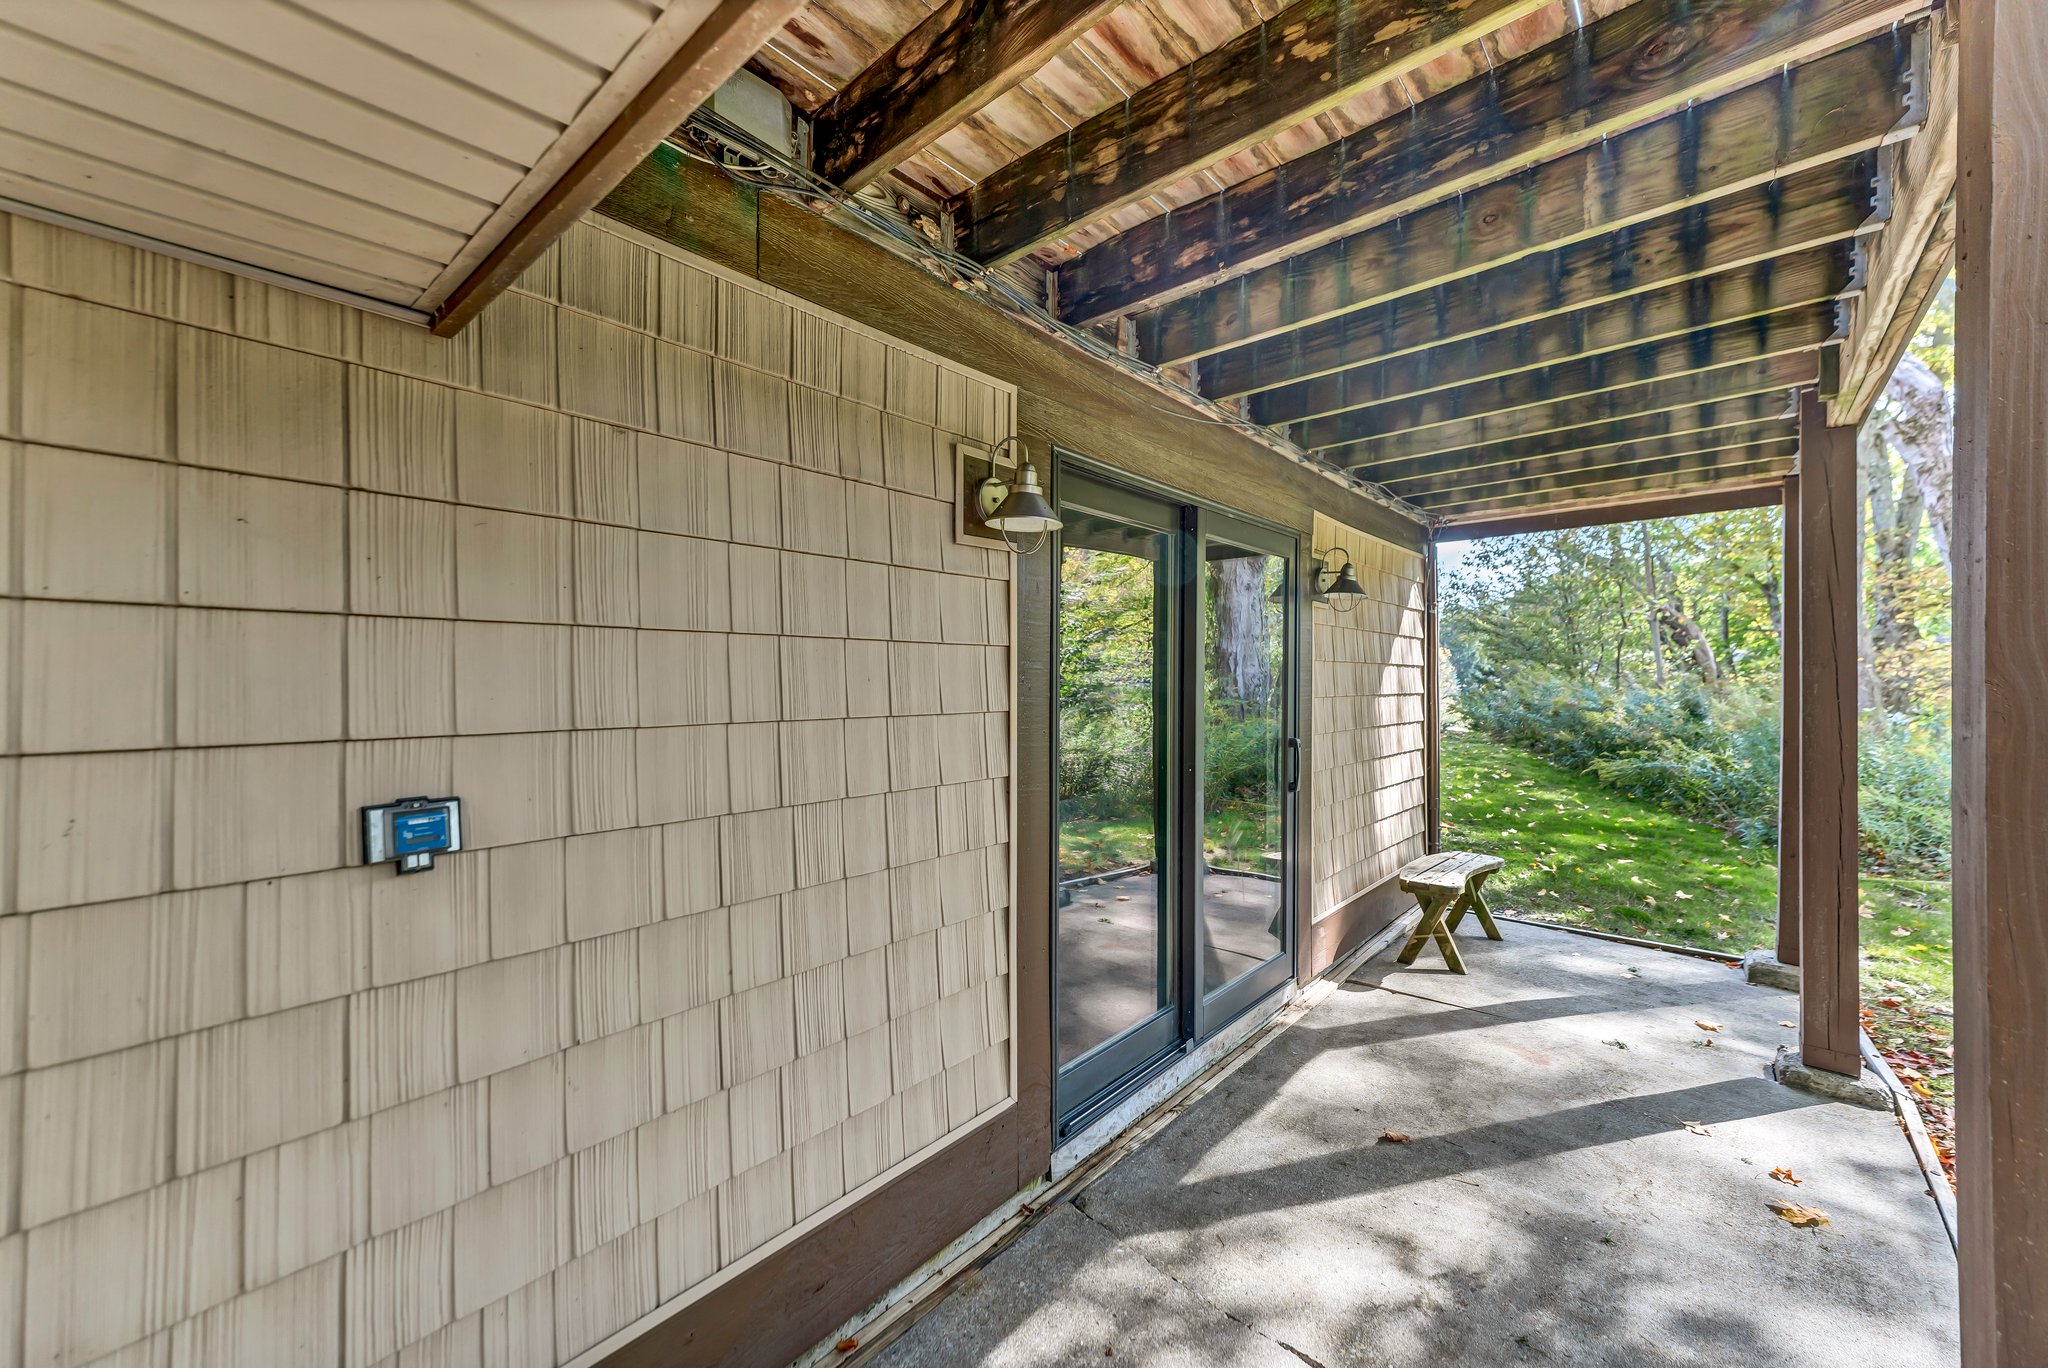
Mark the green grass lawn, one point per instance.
(1582, 855)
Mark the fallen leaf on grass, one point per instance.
(1784, 1175)
(1902, 930)
(1708, 1025)
(1697, 1128)
(847, 1345)
(1794, 1213)
(1395, 1137)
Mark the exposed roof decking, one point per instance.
(1572, 218)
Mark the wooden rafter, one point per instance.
(1777, 374)
(960, 57)
(1711, 463)
(1310, 57)
(1646, 59)
(1812, 209)
(1438, 476)
(1633, 486)
(1600, 512)
(1668, 424)
(1765, 287)
(1833, 107)
(1704, 351)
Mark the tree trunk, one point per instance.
(1650, 594)
(1686, 633)
(1894, 517)
(1244, 647)
(1915, 420)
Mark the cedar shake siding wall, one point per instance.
(1370, 809)
(653, 568)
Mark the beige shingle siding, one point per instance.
(728, 710)
(1368, 725)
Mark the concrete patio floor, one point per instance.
(1551, 1207)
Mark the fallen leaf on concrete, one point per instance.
(1784, 1175)
(1793, 1213)
(847, 1345)
(1395, 1137)
(1617, 1044)
(1695, 1127)
(1708, 1025)
(1789, 1025)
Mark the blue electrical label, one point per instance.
(412, 832)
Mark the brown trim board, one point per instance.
(1356, 921)
(1709, 500)
(721, 45)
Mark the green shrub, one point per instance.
(1714, 757)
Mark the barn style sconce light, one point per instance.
(1015, 503)
(1340, 587)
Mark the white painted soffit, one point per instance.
(376, 148)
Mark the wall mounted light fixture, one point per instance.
(1015, 505)
(1337, 587)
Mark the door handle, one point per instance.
(1294, 764)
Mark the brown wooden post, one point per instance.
(2001, 682)
(1828, 925)
(1432, 704)
(1788, 735)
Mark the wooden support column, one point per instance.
(1828, 926)
(1432, 703)
(1788, 734)
(2001, 681)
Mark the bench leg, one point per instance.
(1431, 923)
(1453, 961)
(1483, 912)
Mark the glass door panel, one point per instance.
(1115, 965)
(1245, 750)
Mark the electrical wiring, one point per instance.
(710, 139)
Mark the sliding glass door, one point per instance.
(1174, 725)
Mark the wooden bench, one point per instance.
(1447, 885)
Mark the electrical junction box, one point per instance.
(411, 832)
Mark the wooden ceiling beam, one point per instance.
(1750, 339)
(1308, 58)
(1816, 208)
(1605, 512)
(1717, 459)
(1727, 415)
(1833, 107)
(1912, 256)
(1765, 287)
(1742, 472)
(960, 57)
(1642, 61)
(1442, 475)
(1776, 374)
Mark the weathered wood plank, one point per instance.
(1744, 476)
(1829, 547)
(1601, 512)
(1767, 287)
(1908, 262)
(1728, 416)
(1644, 60)
(960, 57)
(1772, 376)
(2001, 684)
(1827, 109)
(1715, 463)
(1436, 476)
(1753, 339)
(1788, 732)
(1308, 58)
(1813, 209)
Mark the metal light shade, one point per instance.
(1345, 591)
(1024, 508)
